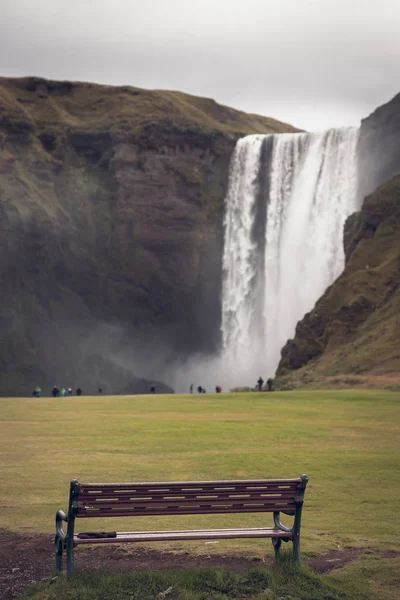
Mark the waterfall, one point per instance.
(288, 198)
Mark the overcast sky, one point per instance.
(313, 63)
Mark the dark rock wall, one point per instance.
(379, 147)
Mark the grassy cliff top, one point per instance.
(103, 107)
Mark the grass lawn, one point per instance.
(347, 441)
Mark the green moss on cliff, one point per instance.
(32, 102)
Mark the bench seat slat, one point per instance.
(223, 529)
(154, 536)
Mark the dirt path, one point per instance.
(26, 559)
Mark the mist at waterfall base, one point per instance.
(288, 198)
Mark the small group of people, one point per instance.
(57, 392)
(202, 390)
(260, 383)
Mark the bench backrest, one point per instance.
(190, 497)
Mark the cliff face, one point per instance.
(111, 207)
(355, 325)
(379, 147)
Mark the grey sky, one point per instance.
(313, 63)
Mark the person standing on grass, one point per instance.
(260, 383)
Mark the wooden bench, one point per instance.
(181, 498)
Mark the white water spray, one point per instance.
(240, 249)
(289, 196)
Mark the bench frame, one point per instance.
(172, 498)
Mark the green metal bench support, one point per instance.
(295, 530)
(65, 541)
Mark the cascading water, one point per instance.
(288, 198)
(240, 249)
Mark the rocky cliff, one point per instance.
(379, 147)
(111, 207)
(355, 325)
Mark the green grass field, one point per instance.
(347, 441)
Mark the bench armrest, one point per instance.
(278, 523)
(60, 517)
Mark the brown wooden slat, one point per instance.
(178, 491)
(173, 505)
(155, 536)
(191, 490)
(189, 495)
(174, 500)
(187, 503)
(183, 511)
(192, 482)
(214, 530)
(179, 509)
(221, 482)
(191, 485)
(161, 493)
(86, 499)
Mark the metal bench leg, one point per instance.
(277, 542)
(70, 544)
(296, 547)
(73, 509)
(297, 521)
(70, 556)
(58, 544)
